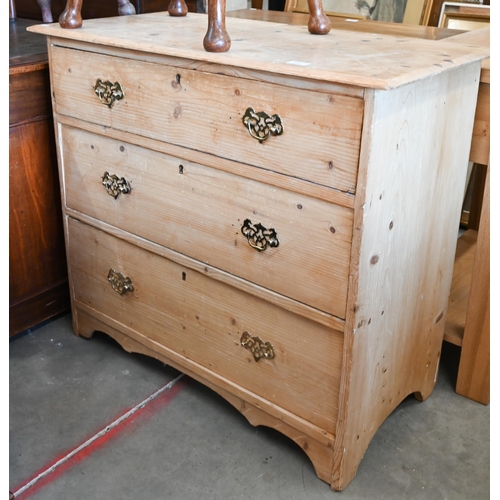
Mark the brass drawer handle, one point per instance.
(257, 347)
(120, 283)
(108, 92)
(114, 185)
(258, 236)
(261, 125)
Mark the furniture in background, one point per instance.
(468, 317)
(124, 8)
(329, 6)
(473, 379)
(414, 12)
(464, 16)
(30, 9)
(216, 38)
(342, 23)
(433, 9)
(196, 235)
(38, 280)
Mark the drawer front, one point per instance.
(320, 137)
(205, 320)
(202, 212)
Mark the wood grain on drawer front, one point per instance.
(199, 211)
(204, 320)
(204, 111)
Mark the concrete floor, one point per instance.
(189, 443)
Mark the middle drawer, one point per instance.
(214, 217)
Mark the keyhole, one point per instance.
(176, 83)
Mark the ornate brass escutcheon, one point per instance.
(114, 185)
(120, 283)
(108, 92)
(261, 125)
(258, 236)
(257, 347)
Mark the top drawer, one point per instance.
(320, 137)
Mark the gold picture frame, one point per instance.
(464, 16)
(417, 12)
(400, 11)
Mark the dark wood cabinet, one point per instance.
(38, 280)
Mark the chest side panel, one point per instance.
(412, 178)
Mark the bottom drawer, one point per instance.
(204, 320)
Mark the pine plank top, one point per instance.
(369, 60)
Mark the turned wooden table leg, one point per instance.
(46, 11)
(125, 8)
(318, 24)
(177, 8)
(217, 38)
(71, 16)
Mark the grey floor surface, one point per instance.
(189, 443)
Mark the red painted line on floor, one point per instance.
(137, 415)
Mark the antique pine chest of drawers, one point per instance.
(278, 221)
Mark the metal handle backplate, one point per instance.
(115, 185)
(260, 125)
(120, 283)
(258, 236)
(257, 347)
(108, 92)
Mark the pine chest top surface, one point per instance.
(369, 60)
